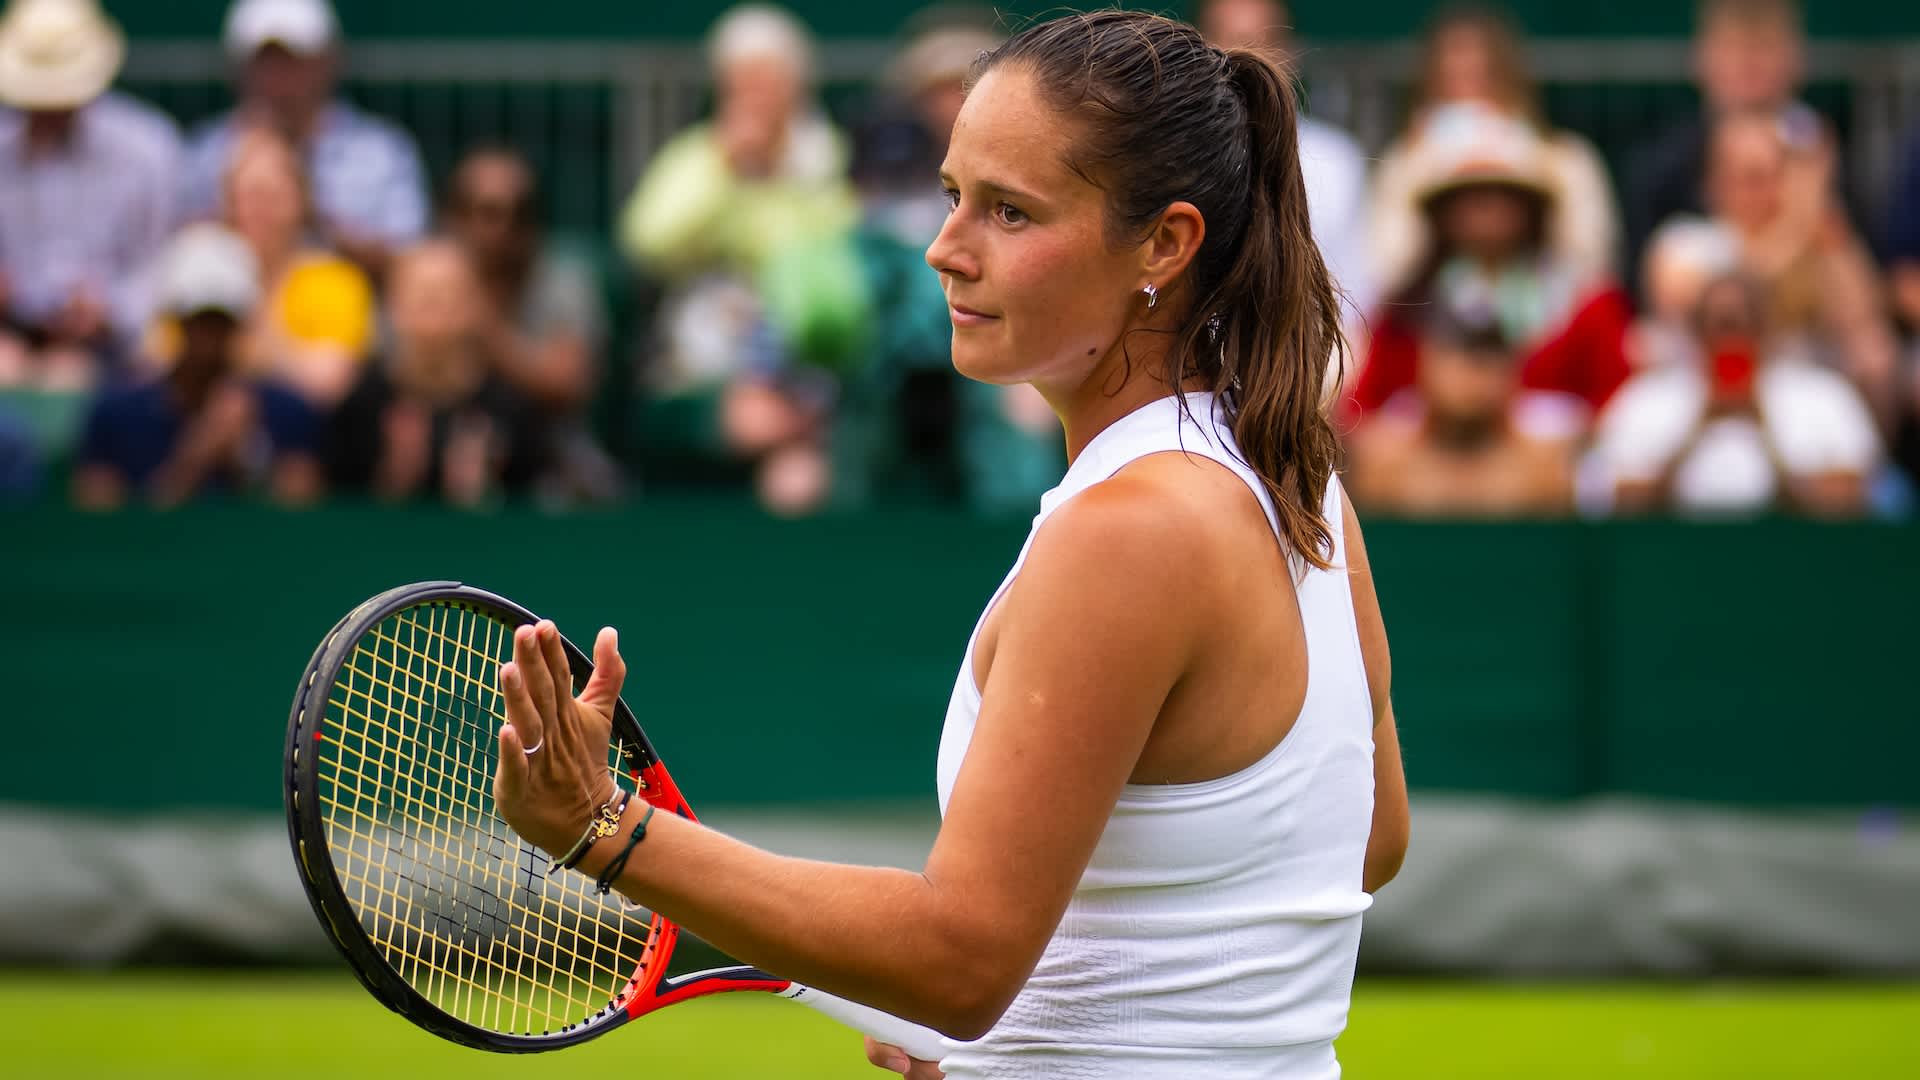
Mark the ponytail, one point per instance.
(1280, 318)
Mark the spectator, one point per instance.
(1776, 194)
(1474, 55)
(19, 460)
(434, 420)
(718, 204)
(1331, 162)
(85, 196)
(768, 171)
(1465, 450)
(1748, 56)
(1486, 189)
(1756, 426)
(1683, 257)
(929, 78)
(1903, 234)
(368, 187)
(204, 426)
(316, 324)
(544, 318)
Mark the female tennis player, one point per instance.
(1169, 774)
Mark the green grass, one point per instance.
(211, 1027)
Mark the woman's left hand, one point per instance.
(552, 776)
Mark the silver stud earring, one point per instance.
(1153, 296)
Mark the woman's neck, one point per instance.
(1118, 386)
(275, 254)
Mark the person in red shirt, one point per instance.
(1487, 196)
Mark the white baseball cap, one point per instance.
(304, 27)
(207, 267)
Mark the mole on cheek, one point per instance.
(1093, 350)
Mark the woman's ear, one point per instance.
(1172, 245)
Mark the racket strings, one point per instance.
(462, 909)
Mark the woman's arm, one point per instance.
(1392, 820)
(1093, 634)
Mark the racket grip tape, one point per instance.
(920, 1042)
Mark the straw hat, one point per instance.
(57, 54)
(1470, 145)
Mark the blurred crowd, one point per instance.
(282, 304)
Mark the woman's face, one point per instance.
(1747, 173)
(432, 297)
(1463, 68)
(1485, 221)
(265, 199)
(1035, 290)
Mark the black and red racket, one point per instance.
(447, 916)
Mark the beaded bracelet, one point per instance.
(619, 864)
(604, 824)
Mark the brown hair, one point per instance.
(1506, 50)
(1165, 117)
(1750, 13)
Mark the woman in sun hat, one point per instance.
(1487, 189)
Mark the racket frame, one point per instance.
(648, 990)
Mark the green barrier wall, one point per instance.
(871, 18)
(149, 659)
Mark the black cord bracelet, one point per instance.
(619, 864)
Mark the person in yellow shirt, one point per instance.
(720, 214)
(317, 323)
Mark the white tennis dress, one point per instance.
(1215, 930)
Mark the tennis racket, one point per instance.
(448, 917)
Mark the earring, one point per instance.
(1153, 296)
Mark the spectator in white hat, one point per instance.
(203, 426)
(86, 184)
(1473, 54)
(1486, 188)
(369, 186)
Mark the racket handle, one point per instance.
(920, 1042)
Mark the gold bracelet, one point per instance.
(604, 824)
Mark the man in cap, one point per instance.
(86, 195)
(202, 426)
(369, 187)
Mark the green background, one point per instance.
(150, 659)
(872, 18)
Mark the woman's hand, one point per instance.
(552, 776)
(894, 1059)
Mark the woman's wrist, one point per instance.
(593, 862)
(603, 823)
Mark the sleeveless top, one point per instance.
(1215, 930)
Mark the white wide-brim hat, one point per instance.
(57, 54)
(1469, 145)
